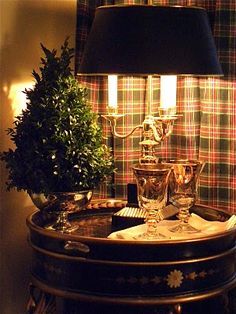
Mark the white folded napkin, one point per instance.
(205, 228)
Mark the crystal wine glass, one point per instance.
(152, 183)
(183, 188)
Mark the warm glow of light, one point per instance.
(168, 92)
(112, 92)
(17, 97)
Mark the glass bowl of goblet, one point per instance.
(152, 184)
(183, 190)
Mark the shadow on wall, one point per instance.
(24, 25)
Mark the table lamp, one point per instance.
(147, 41)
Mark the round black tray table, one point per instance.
(94, 274)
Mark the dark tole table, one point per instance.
(84, 272)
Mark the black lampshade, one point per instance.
(150, 40)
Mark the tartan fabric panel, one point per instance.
(225, 36)
(218, 143)
(85, 14)
(97, 99)
(131, 95)
(207, 128)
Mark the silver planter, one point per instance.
(59, 204)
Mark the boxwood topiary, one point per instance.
(58, 143)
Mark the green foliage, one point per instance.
(58, 142)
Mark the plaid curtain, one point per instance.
(207, 129)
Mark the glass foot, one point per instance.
(151, 237)
(152, 232)
(184, 228)
(152, 223)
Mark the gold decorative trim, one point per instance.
(50, 268)
(132, 300)
(174, 279)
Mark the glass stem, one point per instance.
(152, 223)
(184, 215)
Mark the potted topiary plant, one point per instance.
(59, 150)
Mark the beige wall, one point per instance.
(23, 25)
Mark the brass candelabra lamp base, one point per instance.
(155, 130)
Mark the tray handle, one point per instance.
(76, 246)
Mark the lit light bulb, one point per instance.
(168, 94)
(112, 94)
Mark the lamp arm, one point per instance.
(165, 125)
(157, 133)
(128, 134)
(152, 129)
(112, 118)
(169, 131)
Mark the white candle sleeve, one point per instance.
(168, 92)
(112, 92)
